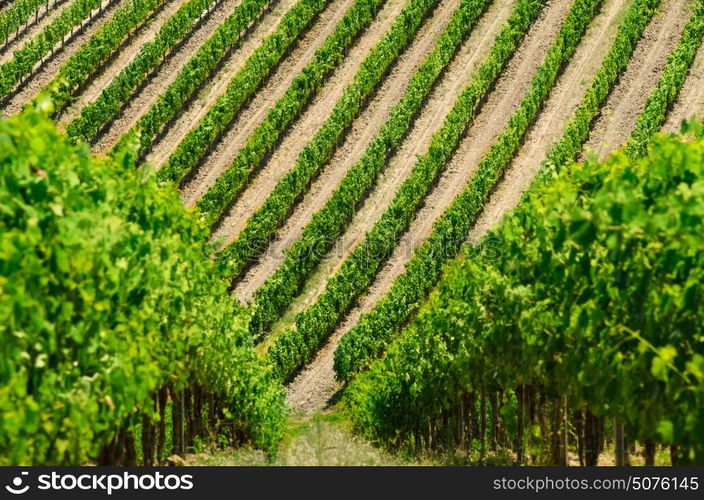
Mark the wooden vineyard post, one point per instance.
(580, 427)
(482, 422)
(162, 400)
(494, 420)
(649, 452)
(564, 434)
(520, 410)
(619, 444)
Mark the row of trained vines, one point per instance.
(577, 131)
(670, 83)
(578, 318)
(327, 224)
(88, 59)
(262, 141)
(377, 328)
(191, 77)
(320, 149)
(570, 331)
(197, 143)
(296, 346)
(12, 18)
(122, 334)
(25, 58)
(111, 100)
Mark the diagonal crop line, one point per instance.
(191, 77)
(88, 59)
(380, 326)
(111, 100)
(668, 87)
(295, 347)
(16, 15)
(577, 131)
(24, 59)
(197, 143)
(328, 223)
(320, 149)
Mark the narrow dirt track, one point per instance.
(364, 129)
(556, 113)
(254, 113)
(618, 118)
(146, 33)
(190, 115)
(163, 77)
(46, 16)
(431, 118)
(313, 387)
(690, 101)
(46, 72)
(285, 156)
(304, 129)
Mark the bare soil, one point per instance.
(190, 115)
(311, 389)
(35, 25)
(45, 71)
(162, 77)
(249, 118)
(556, 114)
(144, 34)
(364, 129)
(690, 101)
(618, 118)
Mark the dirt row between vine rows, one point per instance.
(162, 77)
(45, 72)
(363, 130)
(193, 112)
(429, 120)
(146, 33)
(546, 132)
(690, 101)
(315, 385)
(285, 156)
(556, 114)
(626, 102)
(17, 40)
(251, 116)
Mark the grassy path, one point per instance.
(311, 440)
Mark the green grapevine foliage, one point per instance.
(197, 143)
(112, 98)
(320, 149)
(106, 297)
(577, 131)
(331, 220)
(24, 59)
(191, 77)
(375, 329)
(16, 15)
(595, 297)
(294, 347)
(670, 83)
(86, 61)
